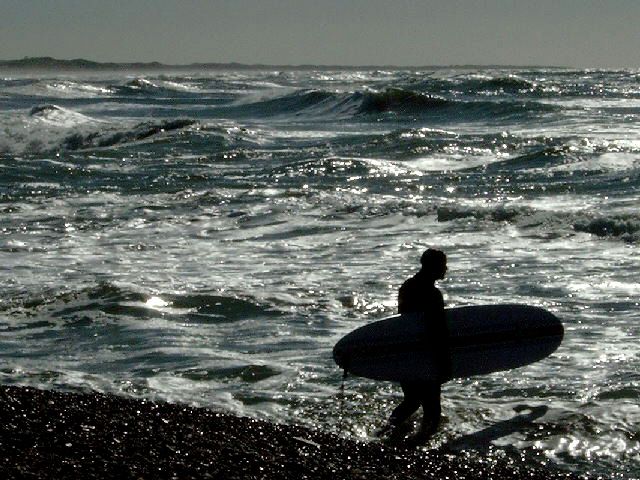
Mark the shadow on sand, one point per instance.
(480, 441)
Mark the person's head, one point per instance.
(434, 263)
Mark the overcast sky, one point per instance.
(581, 33)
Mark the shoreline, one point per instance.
(50, 434)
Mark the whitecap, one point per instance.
(58, 116)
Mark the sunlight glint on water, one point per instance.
(207, 238)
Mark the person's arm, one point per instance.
(403, 297)
(401, 301)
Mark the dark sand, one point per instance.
(47, 434)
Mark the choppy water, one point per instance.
(207, 237)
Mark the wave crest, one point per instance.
(510, 84)
(500, 213)
(92, 303)
(401, 101)
(624, 227)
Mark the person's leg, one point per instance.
(431, 408)
(410, 403)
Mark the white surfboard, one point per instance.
(482, 339)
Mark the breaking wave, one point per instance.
(623, 227)
(142, 131)
(51, 128)
(142, 86)
(58, 116)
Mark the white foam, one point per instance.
(450, 163)
(60, 117)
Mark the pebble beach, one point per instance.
(54, 435)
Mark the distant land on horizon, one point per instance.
(49, 63)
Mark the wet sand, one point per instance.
(54, 435)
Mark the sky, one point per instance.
(574, 33)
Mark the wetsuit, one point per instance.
(419, 294)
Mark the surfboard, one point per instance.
(482, 339)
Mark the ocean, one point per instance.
(206, 238)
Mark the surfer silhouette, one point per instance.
(419, 294)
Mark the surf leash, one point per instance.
(341, 400)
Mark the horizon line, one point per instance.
(47, 62)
